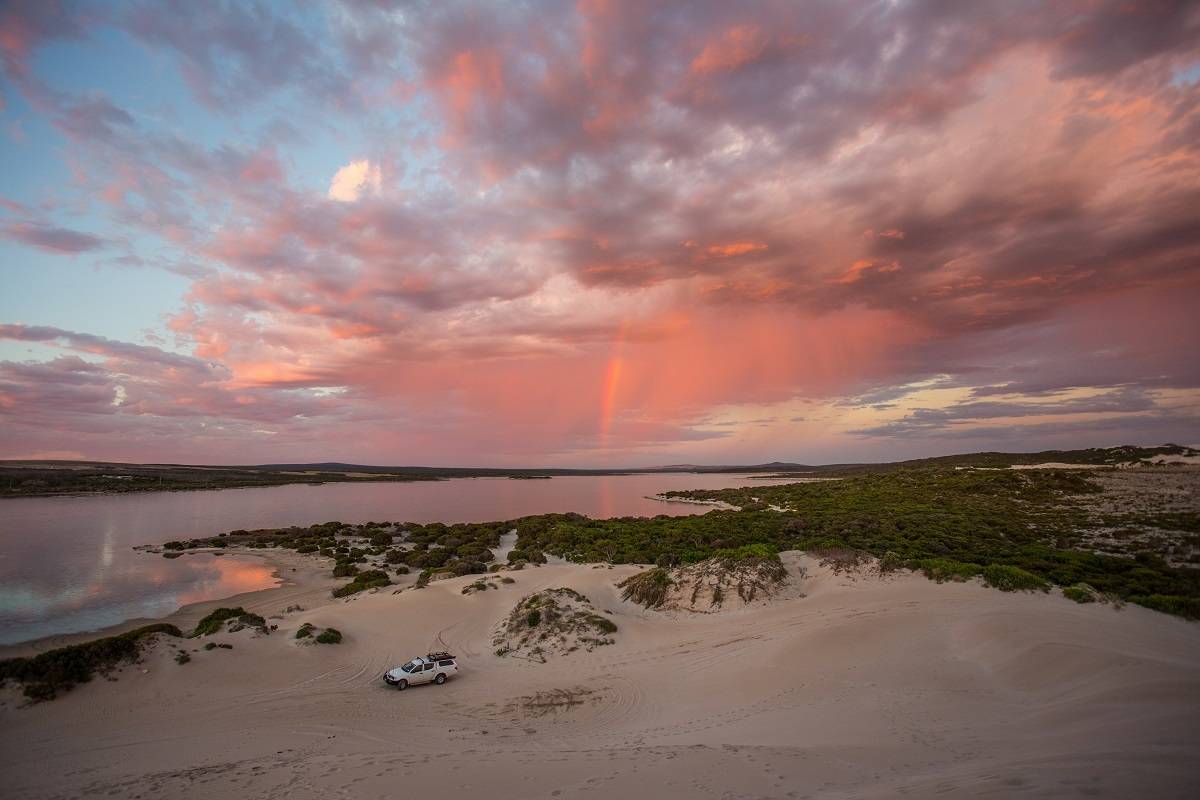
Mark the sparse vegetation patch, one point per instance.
(231, 619)
(370, 579)
(49, 674)
(741, 574)
(552, 622)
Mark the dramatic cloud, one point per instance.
(613, 232)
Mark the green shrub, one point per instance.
(329, 636)
(215, 620)
(890, 562)
(602, 624)
(666, 560)
(370, 579)
(182, 657)
(533, 618)
(1186, 607)
(344, 570)
(1080, 593)
(945, 569)
(304, 631)
(307, 548)
(1012, 579)
(47, 674)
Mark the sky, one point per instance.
(596, 233)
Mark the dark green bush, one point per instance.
(329, 636)
(1186, 607)
(304, 631)
(370, 579)
(944, 569)
(1007, 578)
(47, 674)
(215, 620)
(890, 562)
(1080, 593)
(344, 570)
(533, 618)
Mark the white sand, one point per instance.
(862, 688)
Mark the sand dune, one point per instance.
(862, 687)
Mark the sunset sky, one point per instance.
(596, 233)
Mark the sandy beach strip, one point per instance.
(849, 685)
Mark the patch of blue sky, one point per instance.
(1187, 76)
(31, 152)
(72, 293)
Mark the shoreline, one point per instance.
(298, 575)
(720, 505)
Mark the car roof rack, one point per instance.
(441, 654)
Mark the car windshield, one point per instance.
(409, 667)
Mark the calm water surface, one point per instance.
(67, 563)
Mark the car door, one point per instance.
(427, 673)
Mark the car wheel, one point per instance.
(401, 684)
(440, 679)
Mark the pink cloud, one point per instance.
(619, 218)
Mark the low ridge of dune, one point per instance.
(846, 685)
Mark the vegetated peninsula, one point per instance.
(50, 477)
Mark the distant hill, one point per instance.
(50, 477)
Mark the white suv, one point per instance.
(435, 667)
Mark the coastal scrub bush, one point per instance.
(1080, 593)
(890, 562)
(215, 620)
(329, 636)
(344, 570)
(304, 631)
(1007, 578)
(666, 560)
(370, 579)
(182, 658)
(1186, 607)
(533, 618)
(945, 569)
(47, 674)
